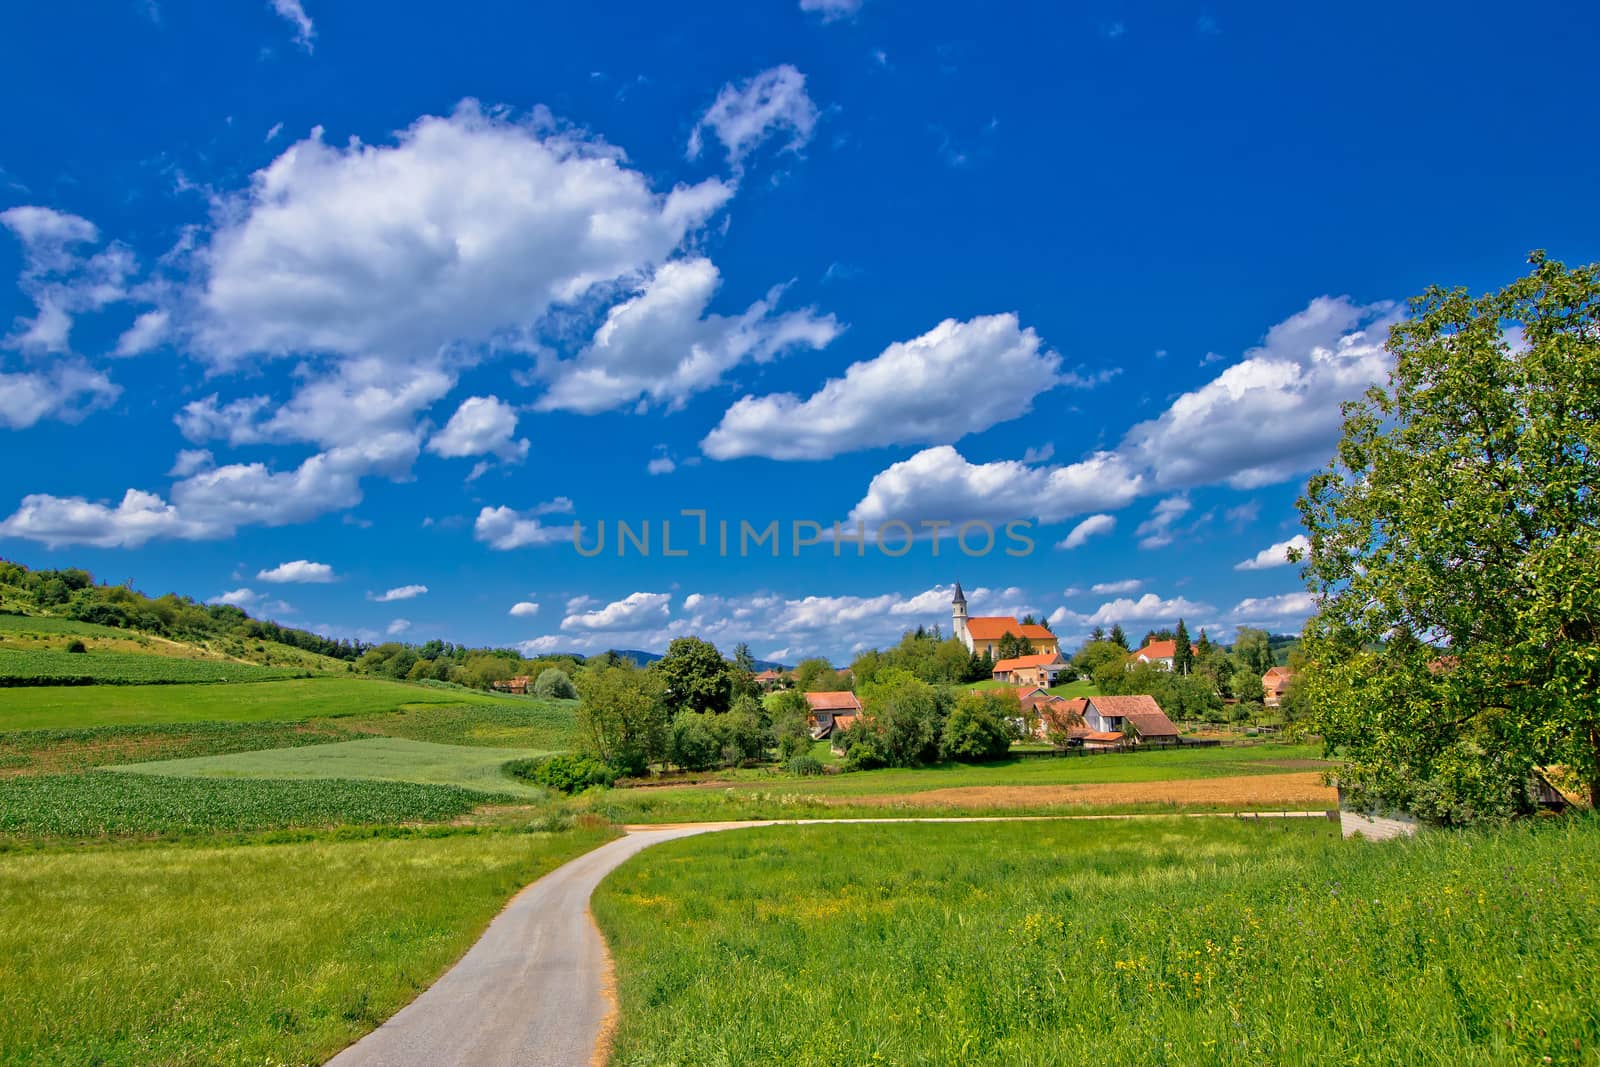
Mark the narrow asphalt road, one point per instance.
(532, 992)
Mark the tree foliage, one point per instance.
(1182, 651)
(622, 719)
(1461, 508)
(553, 683)
(695, 675)
(976, 730)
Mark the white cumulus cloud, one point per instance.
(932, 389)
(629, 613)
(661, 345)
(524, 609)
(505, 528)
(299, 570)
(1285, 607)
(403, 592)
(1276, 555)
(469, 227)
(481, 426)
(939, 483)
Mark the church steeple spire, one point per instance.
(958, 617)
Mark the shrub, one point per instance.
(741, 733)
(692, 744)
(976, 730)
(791, 716)
(553, 684)
(804, 765)
(76, 646)
(565, 774)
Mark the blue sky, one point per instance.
(317, 301)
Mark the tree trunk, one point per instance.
(1594, 766)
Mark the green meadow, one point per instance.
(1156, 942)
(253, 953)
(393, 759)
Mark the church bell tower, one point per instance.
(958, 617)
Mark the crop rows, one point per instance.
(48, 751)
(34, 668)
(112, 802)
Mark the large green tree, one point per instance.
(622, 719)
(1455, 554)
(1182, 651)
(696, 676)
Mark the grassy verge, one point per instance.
(390, 759)
(74, 707)
(103, 803)
(251, 954)
(1173, 942)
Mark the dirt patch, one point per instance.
(1304, 787)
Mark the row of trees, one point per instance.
(691, 709)
(910, 722)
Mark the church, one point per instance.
(982, 633)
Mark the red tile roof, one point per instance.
(1278, 672)
(994, 627)
(838, 700)
(1160, 650)
(1143, 711)
(1020, 662)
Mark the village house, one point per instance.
(1106, 715)
(1040, 670)
(1158, 654)
(521, 685)
(830, 711)
(982, 633)
(1273, 683)
(769, 679)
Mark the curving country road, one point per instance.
(533, 991)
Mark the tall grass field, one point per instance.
(252, 954)
(1176, 941)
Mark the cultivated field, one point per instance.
(263, 953)
(1153, 942)
(126, 668)
(1266, 776)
